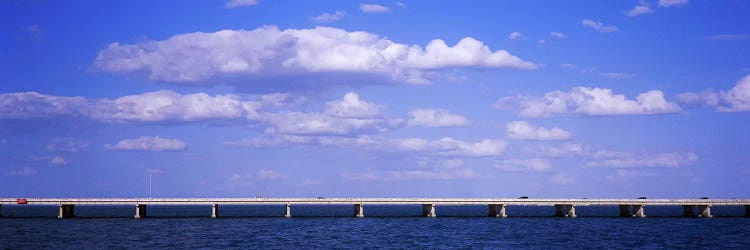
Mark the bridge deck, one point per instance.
(371, 201)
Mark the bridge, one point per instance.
(496, 207)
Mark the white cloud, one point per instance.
(730, 37)
(166, 105)
(26, 171)
(58, 160)
(668, 3)
(450, 147)
(329, 17)
(148, 143)
(589, 101)
(616, 75)
(240, 3)
(598, 26)
(542, 41)
(435, 118)
(67, 145)
(515, 35)
(270, 174)
(616, 159)
(560, 179)
(558, 35)
(434, 174)
(640, 9)
(156, 106)
(348, 116)
(351, 106)
(373, 8)
(566, 150)
(529, 165)
(524, 131)
(268, 52)
(31, 105)
(362, 176)
(737, 98)
(568, 65)
(706, 97)
(400, 4)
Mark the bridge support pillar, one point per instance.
(747, 210)
(704, 211)
(638, 211)
(688, 211)
(140, 211)
(497, 210)
(565, 211)
(66, 211)
(288, 211)
(625, 211)
(1, 210)
(214, 211)
(428, 210)
(359, 211)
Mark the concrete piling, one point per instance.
(565, 210)
(140, 211)
(66, 211)
(638, 211)
(214, 211)
(496, 210)
(359, 211)
(704, 211)
(288, 211)
(428, 210)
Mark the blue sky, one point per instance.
(375, 99)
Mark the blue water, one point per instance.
(384, 227)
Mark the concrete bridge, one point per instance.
(496, 207)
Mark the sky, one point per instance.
(490, 99)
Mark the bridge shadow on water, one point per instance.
(342, 211)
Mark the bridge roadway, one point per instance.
(496, 207)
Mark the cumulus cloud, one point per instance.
(156, 106)
(589, 101)
(669, 3)
(558, 35)
(25, 171)
(524, 131)
(565, 150)
(445, 146)
(736, 99)
(515, 35)
(605, 158)
(433, 174)
(598, 26)
(640, 9)
(58, 160)
(560, 179)
(529, 165)
(67, 145)
(730, 37)
(148, 143)
(348, 116)
(270, 174)
(255, 56)
(373, 8)
(451, 147)
(435, 118)
(329, 17)
(31, 105)
(616, 75)
(240, 3)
